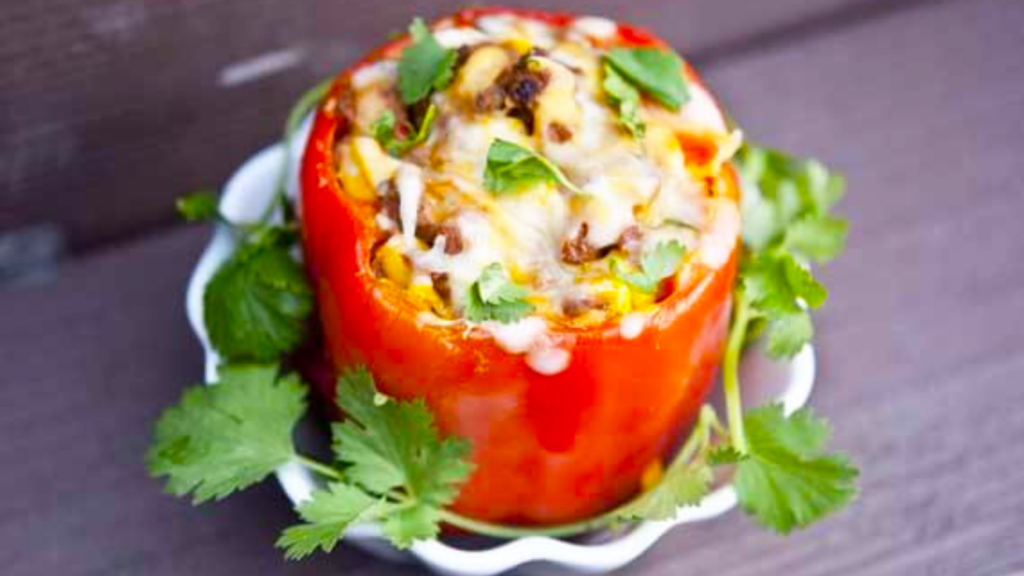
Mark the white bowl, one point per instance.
(764, 380)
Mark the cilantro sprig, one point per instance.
(686, 481)
(512, 168)
(495, 297)
(425, 65)
(395, 468)
(384, 131)
(258, 303)
(655, 265)
(784, 477)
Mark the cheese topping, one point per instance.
(624, 196)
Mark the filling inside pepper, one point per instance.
(522, 169)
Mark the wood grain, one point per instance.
(110, 109)
(921, 366)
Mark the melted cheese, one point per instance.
(409, 180)
(643, 187)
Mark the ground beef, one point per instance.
(441, 285)
(390, 206)
(462, 54)
(453, 241)
(579, 304)
(390, 203)
(490, 100)
(416, 112)
(558, 132)
(631, 241)
(515, 92)
(577, 250)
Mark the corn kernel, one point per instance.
(619, 297)
(521, 45)
(394, 265)
(353, 181)
(427, 297)
(481, 70)
(375, 164)
(652, 475)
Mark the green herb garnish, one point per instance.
(686, 481)
(495, 297)
(512, 168)
(657, 72)
(257, 305)
(383, 130)
(655, 265)
(228, 436)
(626, 98)
(786, 202)
(396, 470)
(326, 516)
(784, 478)
(425, 65)
(198, 207)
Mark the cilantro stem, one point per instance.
(504, 531)
(730, 370)
(319, 467)
(302, 107)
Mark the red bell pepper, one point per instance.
(547, 449)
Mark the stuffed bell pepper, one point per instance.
(522, 245)
(540, 240)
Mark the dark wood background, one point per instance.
(109, 109)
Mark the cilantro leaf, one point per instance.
(788, 332)
(198, 207)
(257, 304)
(425, 65)
(655, 266)
(776, 285)
(686, 481)
(655, 71)
(383, 130)
(326, 516)
(395, 448)
(784, 479)
(786, 202)
(228, 436)
(495, 297)
(817, 238)
(684, 487)
(511, 168)
(786, 224)
(626, 98)
(778, 281)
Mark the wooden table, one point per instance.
(110, 109)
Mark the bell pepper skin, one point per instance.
(547, 449)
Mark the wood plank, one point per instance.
(112, 109)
